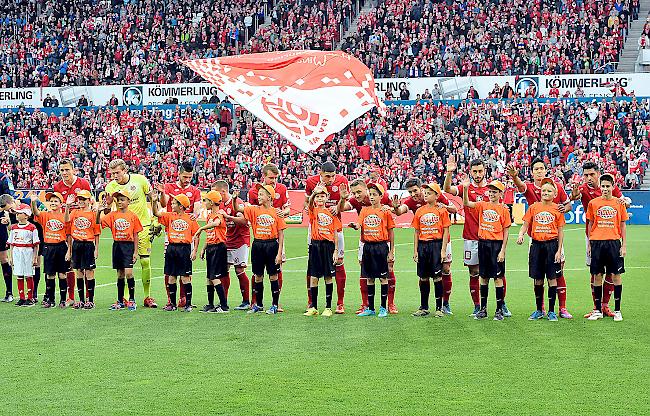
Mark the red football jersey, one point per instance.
(533, 193)
(475, 194)
(333, 189)
(413, 205)
(237, 235)
(191, 191)
(587, 193)
(281, 196)
(80, 184)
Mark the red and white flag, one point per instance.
(303, 95)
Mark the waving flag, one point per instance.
(303, 95)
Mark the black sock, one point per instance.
(485, 291)
(384, 294)
(371, 296)
(63, 289)
(222, 297)
(51, 289)
(130, 283)
(91, 290)
(275, 292)
(121, 283)
(552, 294)
(618, 289)
(425, 288)
(260, 293)
(7, 274)
(80, 289)
(210, 289)
(188, 293)
(539, 296)
(329, 289)
(314, 296)
(438, 291)
(37, 280)
(598, 296)
(173, 287)
(499, 293)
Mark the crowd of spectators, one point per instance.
(404, 38)
(407, 142)
(92, 42)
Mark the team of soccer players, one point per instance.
(67, 233)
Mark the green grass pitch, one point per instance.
(160, 363)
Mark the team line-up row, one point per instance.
(67, 236)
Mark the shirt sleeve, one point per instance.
(12, 237)
(623, 211)
(528, 215)
(338, 226)
(106, 221)
(444, 215)
(390, 222)
(561, 221)
(249, 213)
(137, 225)
(415, 222)
(35, 238)
(194, 226)
(281, 223)
(164, 218)
(505, 214)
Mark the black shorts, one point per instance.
(541, 260)
(54, 258)
(178, 260)
(488, 267)
(123, 254)
(429, 260)
(606, 257)
(321, 259)
(216, 259)
(83, 255)
(263, 254)
(374, 260)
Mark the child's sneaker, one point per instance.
(170, 308)
(565, 314)
(392, 309)
(438, 313)
(187, 308)
(481, 314)
(48, 305)
(116, 306)
(272, 310)
(618, 317)
(220, 309)
(20, 302)
(327, 312)
(536, 315)
(207, 308)
(255, 309)
(506, 311)
(446, 309)
(340, 309)
(311, 312)
(551, 316)
(131, 305)
(421, 313)
(78, 305)
(383, 312)
(89, 305)
(8, 298)
(367, 312)
(63, 305)
(595, 315)
(29, 303)
(477, 308)
(499, 315)
(244, 306)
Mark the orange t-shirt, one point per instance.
(544, 221)
(217, 234)
(83, 225)
(180, 228)
(430, 222)
(265, 222)
(493, 218)
(375, 224)
(123, 225)
(324, 225)
(606, 217)
(55, 229)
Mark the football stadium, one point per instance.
(314, 206)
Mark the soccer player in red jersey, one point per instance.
(69, 184)
(281, 203)
(589, 190)
(361, 198)
(533, 193)
(182, 186)
(332, 182)
(413, 203)
(237, 242)
(478, 191)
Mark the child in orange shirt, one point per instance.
(55, 232)
(83, 245)
(179, 254)
(125, 227)
(215, 253)
(266, 252)
(323, 250)
(607, 235)
(493, 225)
(546, 224)
(431, 223)
(378, 248)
